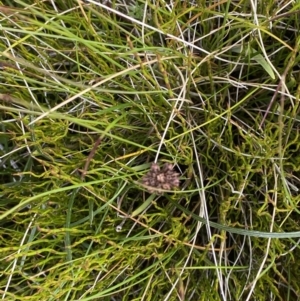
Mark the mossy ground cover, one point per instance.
(93, 93)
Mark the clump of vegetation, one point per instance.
(92, 93)
(157, 180)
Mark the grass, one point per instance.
(93, 93)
